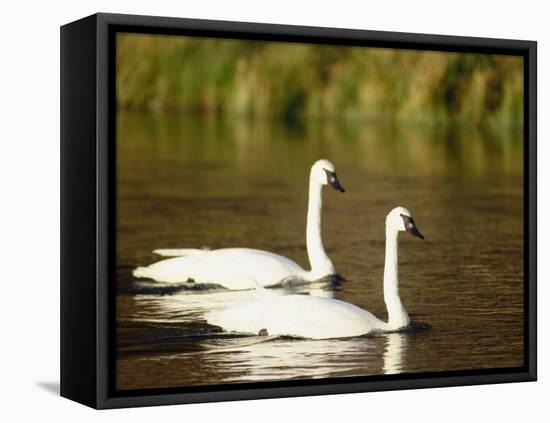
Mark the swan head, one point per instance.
(400, 219)
(323, 173)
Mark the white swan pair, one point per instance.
(245, 268)
(320, 317)
(296, 315)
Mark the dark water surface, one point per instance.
(190, 183)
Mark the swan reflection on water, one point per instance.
(320, 358)
(171, 303)
(396, 346)
(260, 358)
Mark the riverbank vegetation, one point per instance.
(293, 81)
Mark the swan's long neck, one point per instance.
(320, 263)
(397, 316)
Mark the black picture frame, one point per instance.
(87, 209)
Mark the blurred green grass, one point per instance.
(292, 81)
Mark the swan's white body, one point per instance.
(296, 315)
(234, 268)
(318, 317)
(244, 268)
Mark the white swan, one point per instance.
(243, 268)
(320, 317)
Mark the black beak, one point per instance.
(414, 231)
(410, 227)
(333, 181)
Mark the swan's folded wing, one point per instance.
(178, 252)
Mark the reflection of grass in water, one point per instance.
(291, 81)
(378, 147)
